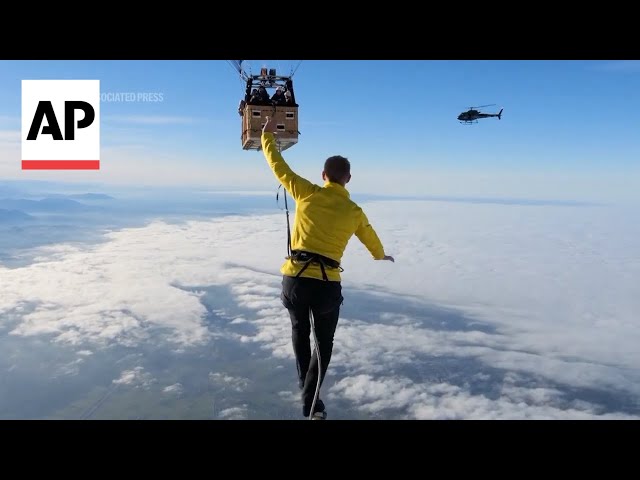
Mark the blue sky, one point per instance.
(569, 128)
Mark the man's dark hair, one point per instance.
(337, 168)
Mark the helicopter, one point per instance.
(473, 114)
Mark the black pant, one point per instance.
(323, 298)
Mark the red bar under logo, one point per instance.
(60, 164)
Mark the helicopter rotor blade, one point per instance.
(482, 106)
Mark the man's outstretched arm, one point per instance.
(296, 185)
(369, 238)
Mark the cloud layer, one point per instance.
(490, 311)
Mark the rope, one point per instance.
(286, 206)
(315, 339)
(313, 326)
(296, 69)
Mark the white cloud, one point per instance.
(234, 413)
(442, 401)
(106, 293)
(238, 384)
(547, 293)
(70, 368)
(135, 377)
(176, 389)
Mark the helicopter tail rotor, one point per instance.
(500, 114)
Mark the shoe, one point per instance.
(319, 416)
(319, 408)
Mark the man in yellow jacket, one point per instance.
(326, 218)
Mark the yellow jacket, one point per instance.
(326, 218)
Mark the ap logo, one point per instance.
(61, 124)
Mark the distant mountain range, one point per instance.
(86, 196)
(13, 216)
(50, 205)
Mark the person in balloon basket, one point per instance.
(326, 218)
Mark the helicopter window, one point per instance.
(290, 115)
(280, 126)
(257, 113)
